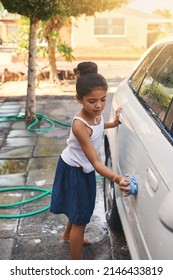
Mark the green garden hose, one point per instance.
(45, 192)
(51, 122)
(26, 188)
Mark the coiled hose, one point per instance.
(45, 192)
(49, 120)
(26, 188)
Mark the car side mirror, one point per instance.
(166, 211)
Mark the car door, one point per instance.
(145, 150)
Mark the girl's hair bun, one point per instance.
(87, 67)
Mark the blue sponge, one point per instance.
(133, 186)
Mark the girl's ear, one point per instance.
(79, 99)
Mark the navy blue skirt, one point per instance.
(73, 193)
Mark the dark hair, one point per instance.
(87, 67)
(89, 79)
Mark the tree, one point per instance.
(1, 7)
(50, 33)
(57, 11)
(167, 30)
(65, 10)
(35, 10)
(22, 40)
(163, 13)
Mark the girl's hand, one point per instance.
(117, 116)
(123, 186)
(115, 122)
(118, 112)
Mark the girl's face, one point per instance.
(94, 102)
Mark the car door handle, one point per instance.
(151, 181)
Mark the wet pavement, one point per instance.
(29, 159)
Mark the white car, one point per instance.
(142, 145)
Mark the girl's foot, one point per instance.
(86, 241)
(66, 237)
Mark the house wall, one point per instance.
(82, 34)
(65, 33)
(8, 27)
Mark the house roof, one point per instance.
(8, 16)
(126, 11)
(132, 11)
(153, 18)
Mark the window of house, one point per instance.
(109, 26)
(11, 30)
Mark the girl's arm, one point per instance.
(81, 132)
(115, 122)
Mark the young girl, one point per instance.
(74, 188)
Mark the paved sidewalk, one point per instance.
(29, 159)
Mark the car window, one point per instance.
(157, 86)
(141, 70)
(168, 121)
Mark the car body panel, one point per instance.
(139, 147)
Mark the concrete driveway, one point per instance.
(29, 159)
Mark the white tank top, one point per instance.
(73, 154)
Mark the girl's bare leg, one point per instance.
(76, 241)
(66, 234)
